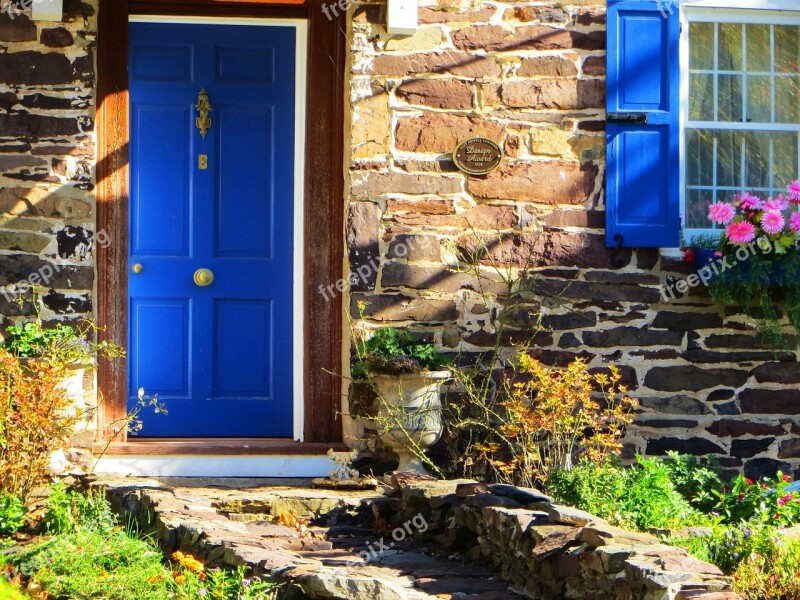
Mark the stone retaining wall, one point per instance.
(531, 75)
(545, 550)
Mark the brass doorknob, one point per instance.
(137, 268)
(203, 277)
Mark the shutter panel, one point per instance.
(642, 133)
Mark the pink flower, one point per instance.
(721, 212)
(717, 254)
(741, 232)
(772, 221)
(793, 189)
(778, 203)
(689, 255)
(749, 481)
(749, 202)
(786, 478)
(794, 222)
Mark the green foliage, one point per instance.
(699, 482)
(67, 511)
(8, 592)
(771, 573)
(762, 285)
(767, 502)
(87, 557)
(61, 344)
(12, 513)
(392, 351)
(642, 496)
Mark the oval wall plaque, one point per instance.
(477, 156)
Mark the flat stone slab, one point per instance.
(236, 527)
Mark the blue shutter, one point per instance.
(642, 134)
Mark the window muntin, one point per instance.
(740, 109)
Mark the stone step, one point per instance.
(320, 562)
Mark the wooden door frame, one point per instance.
(323, 203)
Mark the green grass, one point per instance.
(8, 592)
(88, 564)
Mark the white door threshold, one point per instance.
(216, 466)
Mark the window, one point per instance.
(702, 103)
(740, 109)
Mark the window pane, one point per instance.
(701, 42)
(759, 99)
(787, 49)
(787, 99)
(729, 158)
(730, 47)
(730, 98)
(697, 202)
(758, 155)
(699, 157)
(701, 95)
(786, 144)
(759, 55)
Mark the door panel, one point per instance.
(220, 356)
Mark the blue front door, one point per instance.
(212, 197)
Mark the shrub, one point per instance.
(642, 496)
(12, 513)
(67, 510)
(771, 573)
(34, 421)
(699, 482)
(538, 419)
(767, 501)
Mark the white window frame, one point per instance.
(782, 12)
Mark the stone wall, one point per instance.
(47, 158)
(531, 76)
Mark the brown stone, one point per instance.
(556, 543)
(370, 126)
(551, 182)
(594, 65)
(422, 207)
(430, 15)
(787, 373)
(17, 29)
(36, 68)
(395, 274)
(391, 307)
(688, 564)
(438, 93)
(510, 337)
(593, 219)
(493, 38)
(563, 94)
(739, 427)
(442, 132)
(57, 37)
(605, 535)
(19, 160)
(770, 402)
(362, 244)
(547, 66)
(461, 64)
(591, 16)
(31, 126)
(544, 14)
(415, 248)
(483, 217)
(366, 184)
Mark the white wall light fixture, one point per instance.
(401, 17)
(48, 10)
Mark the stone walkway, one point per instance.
(314, 540)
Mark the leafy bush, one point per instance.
(771, 573)
(642, 496)
(699, 482)
(34, 421)
(12, 513)
(537, 420)
(61, 344)
(394, 352)
(767, 502)
(67, 511)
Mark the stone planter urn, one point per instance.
(410, 414)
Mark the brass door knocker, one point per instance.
(203, 107)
